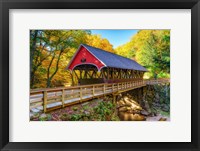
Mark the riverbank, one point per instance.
(103, 109)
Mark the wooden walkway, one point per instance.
(53, 98)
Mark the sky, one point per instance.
(116, 37)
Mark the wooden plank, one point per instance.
(54, 97)
(54, 101)
(35, 100)
(36, 105)
(45, 102)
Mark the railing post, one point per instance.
(104, 89)
(45, 101)
(81, 95)
(63, 98)
(93, 90)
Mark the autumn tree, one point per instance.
(153, 51)
(150, 48)
(38, 52)
(99, 42)
(52, 47)
(127, 50)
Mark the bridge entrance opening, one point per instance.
(84, 74)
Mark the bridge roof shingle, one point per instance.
(114, 60)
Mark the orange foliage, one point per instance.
(99, 42)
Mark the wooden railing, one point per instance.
(52, 98)
(157, 81)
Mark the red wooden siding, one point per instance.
(90, 59)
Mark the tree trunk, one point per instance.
(49, 78)
(32, 53)
(48, 82)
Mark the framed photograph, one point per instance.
(99, 75)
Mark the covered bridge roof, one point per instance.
(109, 59)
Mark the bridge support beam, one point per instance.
(114, 98)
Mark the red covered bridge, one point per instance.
(91, 65)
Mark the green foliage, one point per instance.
(154, 51)
(65, 117)
(75, 108)
(50, 52)
(45, 117)
(163, 113)
(76, 117)
(104, 111)
(150, 48)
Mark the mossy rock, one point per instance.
(65, 117)
(49, 117)
(34, 116)
(75, 108)
(43, 117)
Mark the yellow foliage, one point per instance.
(99, 42)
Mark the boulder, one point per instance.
(143, 112)
(124, 116)
(34, 116)
(123, 109)
(129, 110)
(165, 108)
(162, 119)
(120, 103)
(43, 117)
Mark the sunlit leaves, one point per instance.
(99, 42)
(150, 48)
(54, 49)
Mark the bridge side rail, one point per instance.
(53, 98)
